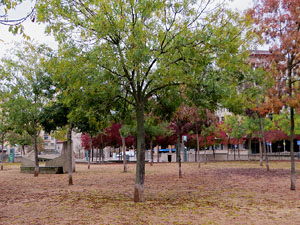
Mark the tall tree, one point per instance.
(146, 45)
(201, 119)
(235, 127)
(251, 126)
(4, 129)
(278, 23)
(80, 95)
(30, 86)
(22, 139)
(154, 127)
(181, 118)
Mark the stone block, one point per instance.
(62, 160)
(26, 162)
(43, 170)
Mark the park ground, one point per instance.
(217, 193)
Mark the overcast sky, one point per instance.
(36, 31)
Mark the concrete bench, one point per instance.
(43, 169)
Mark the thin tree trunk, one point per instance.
(292, 129)
(70, 153)
(178, 149)
(89, 158)
(205, 156)
(151, 152)
(140, 164)
(124, 154)
(198, 147)
(98, 155)
(102, 150)
(228, 147)
(263, 141)
(89, 153)
(2, 152)
(92, 153)
(158, 154)
(179, 162)
(249, 148)
(261, 159)
(234, 153)
(239, 149)
(36, 158)
(293, 172)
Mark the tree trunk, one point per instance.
(2, 151)
(292, 129)
(124, 155)
(238, 149)
(205, 156)
(140, 164)
(89, 153)
(36, 158)
(101, 150)
(97, 155)
(262, 130)
(151, 152)
(178, 149)
(234, 153)
(89, 159)
(249, 148)
(23, 149)
(179, 162)
(293, 174)
(92, 152)
(70, 151)
(261, 159)
(198, 147)
(228, 147)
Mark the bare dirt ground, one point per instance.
(217, 193)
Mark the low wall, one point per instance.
(43, 170)
(221, 155)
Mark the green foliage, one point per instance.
(155, 127)
(53, 116)
(251, 125)
(283, 122)
(127, 130)
(139, 48)
(60, 133)
(235, 126)
(23, 139)
(83, 94)
(29, 86)
(151, 45)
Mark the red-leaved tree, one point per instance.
(278, 23)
